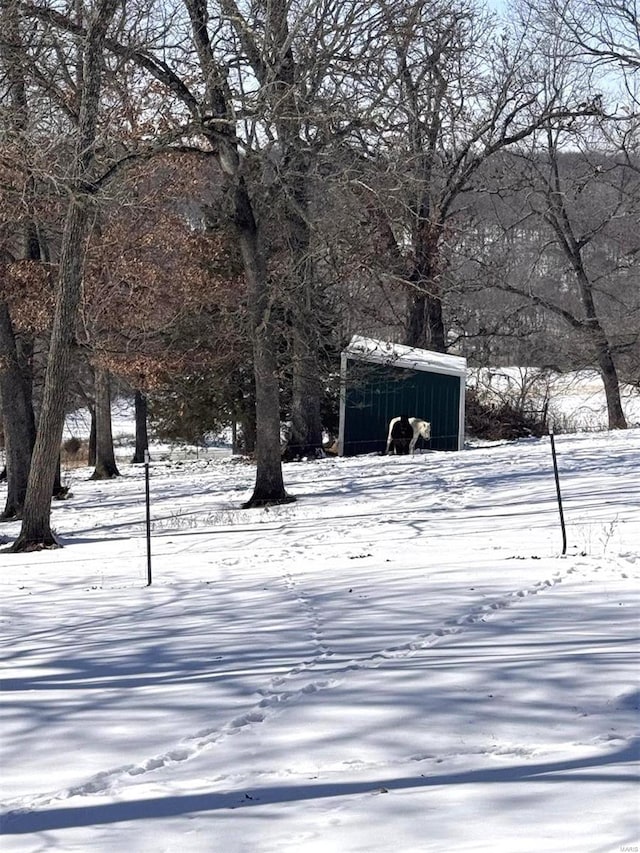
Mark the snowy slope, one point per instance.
(399, 661)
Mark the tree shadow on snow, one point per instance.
(21, 823)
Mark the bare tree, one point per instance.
(450, 91)
(574, 206)
(36, 530)
(289, 87)
(580, 183)
(218, 124)
(15, 349)
(198, 103)
(606, 31)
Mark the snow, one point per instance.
(398, 355)
(401, 660)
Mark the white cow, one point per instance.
(420, 428)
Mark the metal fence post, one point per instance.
(557, 478)
(148, 507)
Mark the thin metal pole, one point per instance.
(555, 472)
(148, 505)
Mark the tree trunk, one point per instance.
(425, 326)
(91, 451)
(36, 525)
(36, 530)
(306, 433)
(17, 411)
(59, 491)
(611, 384)
(606, 364)
(106, 467)
(15, 378)
(269, 486)
(306, 390)
(247, 418)
(142, 436)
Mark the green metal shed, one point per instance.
(381, 380)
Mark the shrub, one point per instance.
(72, 446)
(75, 453)
(501, 420)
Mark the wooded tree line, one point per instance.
(204, 200)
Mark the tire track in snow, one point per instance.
(107, 781)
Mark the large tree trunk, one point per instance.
(600, 342)
(611, 383)
(306, 390)
(269, 486)
(36, 525)
(17, 411)
(36, 530)
(15, 377)
(425, 324)
(142, 435)
(106, 467)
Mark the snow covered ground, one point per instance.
(399, 661)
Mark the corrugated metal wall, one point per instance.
(375, 394)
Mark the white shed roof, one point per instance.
(396, 355)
